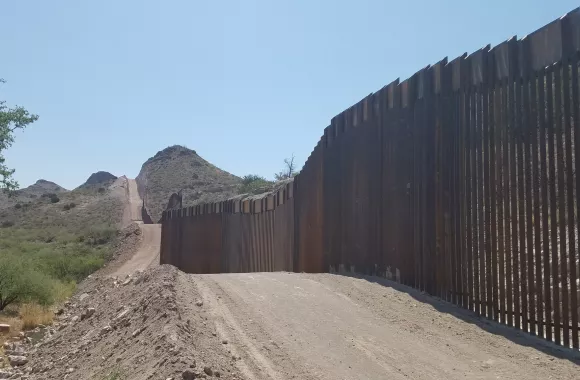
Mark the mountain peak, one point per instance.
(174, 151)
(43, 186)
(178, 168)
(100, 177)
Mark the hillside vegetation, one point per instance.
(52, 238)
(49, 260)
(98, 204)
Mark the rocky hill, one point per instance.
(178, 168)
(40, 187)
(99, 178)
(46, 204)
(99, 200)
(30, 193)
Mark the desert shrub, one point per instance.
(33, 315)
(98, 235)
(62, 290)
(52, 197)
(17, 206)
(101, 190)
(54, 259)
(7, 223)
(252, 183)
(68, 206)
(21, 283)
(72, 267)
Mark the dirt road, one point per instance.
(287, 326)
(132, 212)
(147, 254)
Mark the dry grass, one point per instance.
(15, 327)
(63, 291)
(32, 315)
(24, 317)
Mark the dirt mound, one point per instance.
(133, 327)
(177, 168)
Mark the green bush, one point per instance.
(98, 235)
(68, 268)
(253, 183)
(17, 206)
(50, 261)
(21, 283)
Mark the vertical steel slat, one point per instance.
(553, 216)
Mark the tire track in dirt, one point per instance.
(323, 326)
(253, 365)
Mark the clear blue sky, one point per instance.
(244, 83)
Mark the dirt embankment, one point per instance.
(136, 328)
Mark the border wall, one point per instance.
(462, 181)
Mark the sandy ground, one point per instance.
(324, 326)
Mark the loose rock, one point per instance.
(188, 375)
(17, 360)
(87, 313)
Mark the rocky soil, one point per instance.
(130, 327)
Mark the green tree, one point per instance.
(19, 283)
(11, 119)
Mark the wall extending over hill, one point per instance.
(462, 181)
(179, 169)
